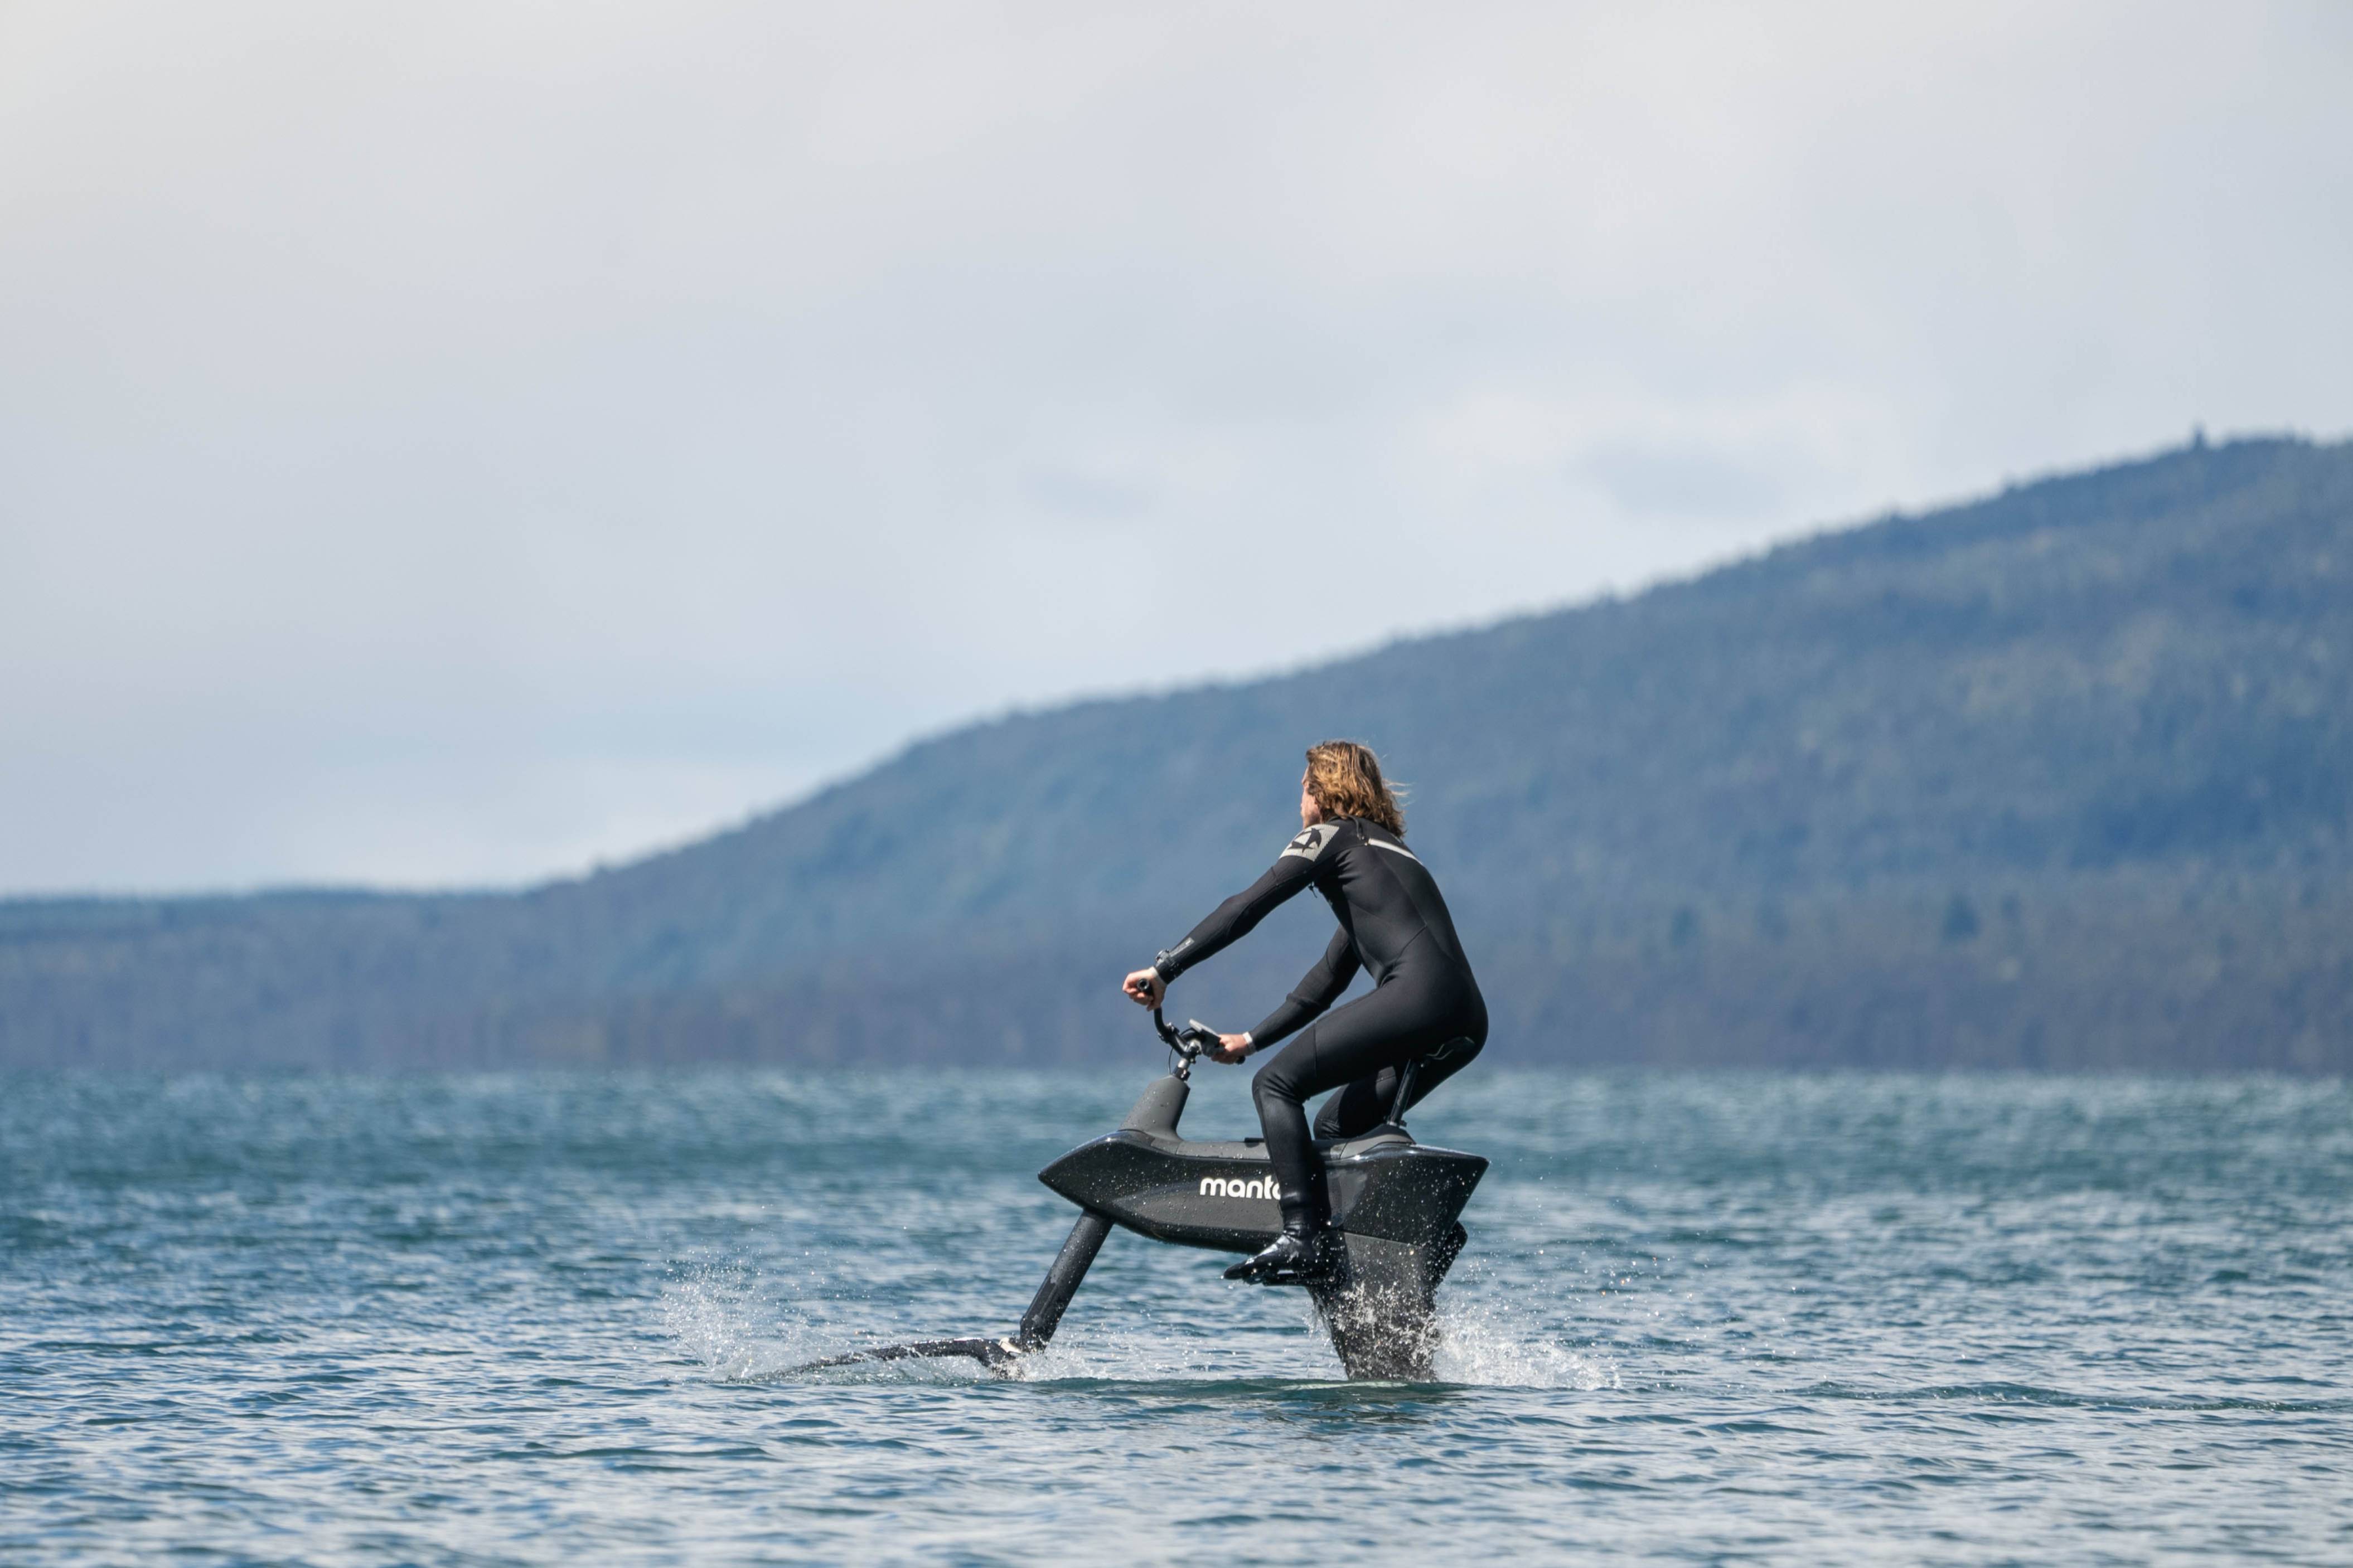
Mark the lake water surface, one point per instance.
(547, 1318)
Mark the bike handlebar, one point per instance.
(1187, 1042)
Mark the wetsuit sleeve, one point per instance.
(1320, 988)
(1234, 918)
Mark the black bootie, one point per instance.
(1299, 1254)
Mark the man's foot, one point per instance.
(1292, 1260)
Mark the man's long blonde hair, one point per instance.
(1345, 780)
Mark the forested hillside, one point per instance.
(2059, 778)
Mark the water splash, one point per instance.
(1493, 1343)
(732, 1321)
(707, 1311)
(740, 1328)
(724, 1315)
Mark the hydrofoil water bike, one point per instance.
(1396, 1209)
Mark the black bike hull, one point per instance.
(1397, 1205)
(1224, 1196)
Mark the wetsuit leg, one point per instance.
(1383, 1030)
(1368, 1102)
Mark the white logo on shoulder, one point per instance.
(1310, 843)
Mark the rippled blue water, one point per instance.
(544, 1319)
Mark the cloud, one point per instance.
(445, 442)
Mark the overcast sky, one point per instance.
(457, 443)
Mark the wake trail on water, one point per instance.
(728, 1319)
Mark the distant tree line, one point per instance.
(2061, 779)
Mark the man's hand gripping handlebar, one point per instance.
(1146, 989)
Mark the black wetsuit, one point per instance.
(1424, 1003)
